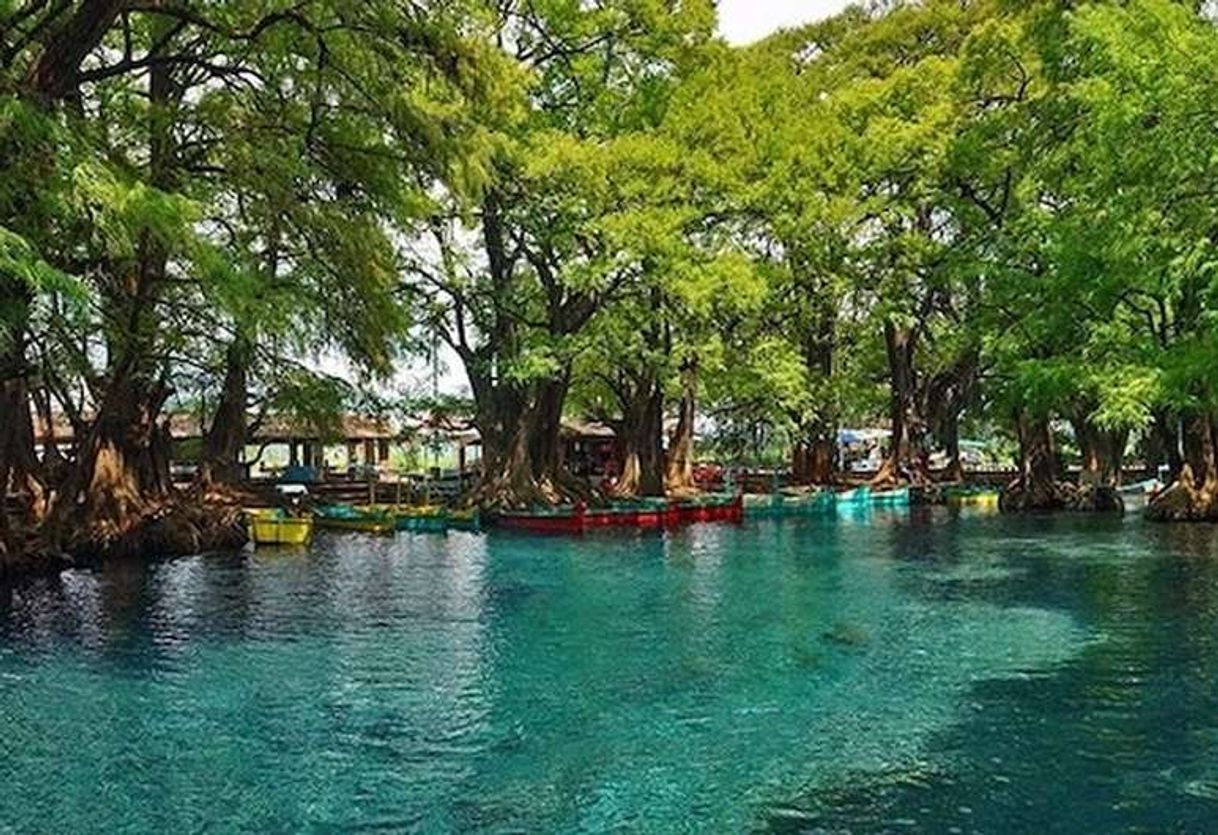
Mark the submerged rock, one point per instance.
(843, 634)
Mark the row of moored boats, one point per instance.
(277, 526)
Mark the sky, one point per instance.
(744, 21)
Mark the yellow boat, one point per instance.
(984, 498)
(270, 526)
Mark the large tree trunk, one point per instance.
(51, 78)
(522, 449)
(946, 396)
(814, 455)
(118, 498)
(906, 461)
(1037, 486)
(679, 466)
(642, 433)
(1102, 453)
(225, 440)
(545, 430)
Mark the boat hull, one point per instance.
(348, 518)
(651, 514)
(465, 520)
(379, 527)
(269, 528)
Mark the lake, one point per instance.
(923, 671)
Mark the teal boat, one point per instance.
(788, 504)
(854, 497)
(416, 518)
(891, 498)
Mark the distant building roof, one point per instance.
(579, 428)
(351, 428)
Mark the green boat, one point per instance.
(345, 517)
(416, 518)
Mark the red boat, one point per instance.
(579, 518)
(557, 520)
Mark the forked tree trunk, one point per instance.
(117, 498)
(643, 442)
(679, 466)
(944, 401)
(522, 449)
(814, 455)
(51, 78)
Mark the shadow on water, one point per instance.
(1120, 737)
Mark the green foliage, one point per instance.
(602, 194)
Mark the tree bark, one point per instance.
(20, 473)
(906, 460)
(946, 396)
(814, 454)
(1102, 453)
(642, 433)
(226, 438)
(53, 76)
(1194, 493)
(120, 480)
(545, 442)
(1037, 486)
(679, 466)
(954, 471)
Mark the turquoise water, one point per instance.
(889, 672)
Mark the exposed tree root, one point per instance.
(1184, 502)
(1020, 496)
(179, 524)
